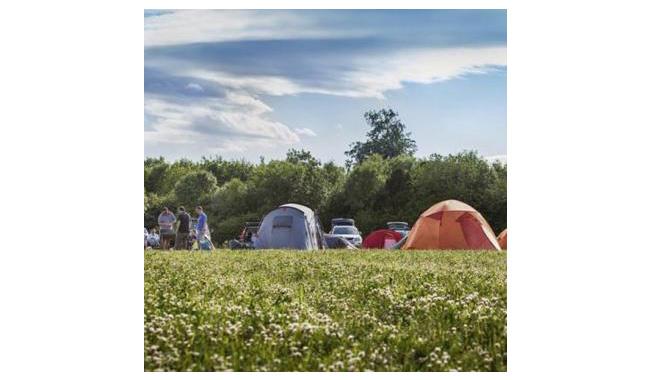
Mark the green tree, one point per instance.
(151, 161)
(175, 172)
(193, 188)
(226, 170)
(154, 177)
(496, 199)
(280, 182)
(231, 199)
(374, 191)
(229, 207)
(466, 177)
(301, 157)
(387, 137)
(398, 191)
(365, 183)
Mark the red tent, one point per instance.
(378, 239)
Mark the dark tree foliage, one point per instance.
(373, 192)
(387, 137)
(225, 170)
(193, 188)
(301, 156)
(154, 177)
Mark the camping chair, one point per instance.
(206, 237)
(389, 241)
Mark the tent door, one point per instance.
(282, 231)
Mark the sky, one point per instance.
(253, 83)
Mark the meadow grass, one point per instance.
(280, 310)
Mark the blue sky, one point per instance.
(245, 84)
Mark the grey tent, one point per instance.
(290, 226)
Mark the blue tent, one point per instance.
(290, 226)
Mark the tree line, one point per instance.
(381, 181)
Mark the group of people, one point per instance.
(178, 228)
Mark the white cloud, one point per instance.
(264, 84)
(190, 26)
(375, 76)
(194, 87)
(365, 73)
(371, 75)
(240, 120)
(305, 132)
(237, 122)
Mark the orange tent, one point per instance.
(503, 239)
(451, 224)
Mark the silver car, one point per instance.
(349, 233)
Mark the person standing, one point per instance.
(202, 231)
(166, 221)
(183, 230)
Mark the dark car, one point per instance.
(342, 222)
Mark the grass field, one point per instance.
(325, 311)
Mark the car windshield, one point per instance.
(398, 226)
(345, 230)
